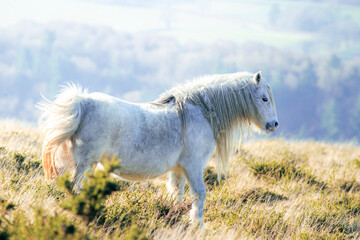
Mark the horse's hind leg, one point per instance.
(85, 157)
(80, 171)
(176, 184)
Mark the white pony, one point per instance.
(176, 133)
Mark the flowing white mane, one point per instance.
(227, 101)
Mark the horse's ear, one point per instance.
(258, 77)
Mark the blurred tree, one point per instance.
(334, 61)
(330, 120)
(354, 119)
(24, 61)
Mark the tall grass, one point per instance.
(275, 190)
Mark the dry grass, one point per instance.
(276, 189)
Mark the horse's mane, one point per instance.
(227, 102)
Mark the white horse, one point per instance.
(176, 133)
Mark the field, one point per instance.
(276, 189)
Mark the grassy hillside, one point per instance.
(276, 190)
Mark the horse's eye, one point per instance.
(264, 99)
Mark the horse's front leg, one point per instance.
(197, 186)
(176, 184)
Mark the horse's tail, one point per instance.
(59, 121)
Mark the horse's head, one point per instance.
(266, 119)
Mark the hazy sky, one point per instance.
(87, 12)
(203, 21)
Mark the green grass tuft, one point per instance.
(276, 170)
(22, 165)
(96, 187)
(349, 186)
(261, 196)
(356, 161)
(42, 226)
(211, 178)
(135, 233)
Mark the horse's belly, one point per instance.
(134, 176)
(141, 166)
(140, 174)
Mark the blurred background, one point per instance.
(309, 51)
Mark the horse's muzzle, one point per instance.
(271, 126)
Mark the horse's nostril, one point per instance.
(276, 124)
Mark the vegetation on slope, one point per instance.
(276, 189)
